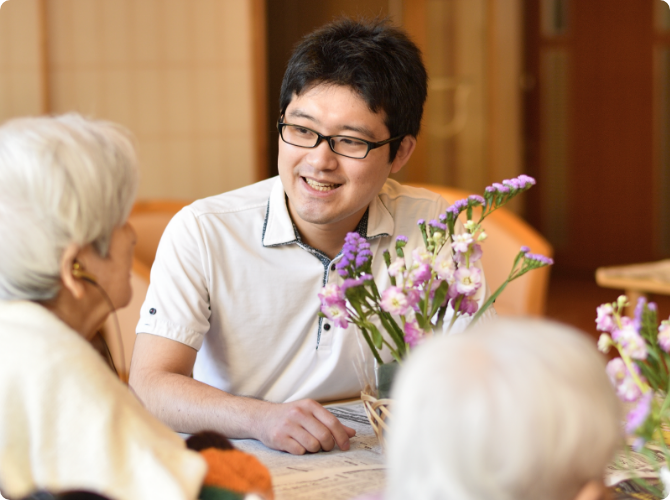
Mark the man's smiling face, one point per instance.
(325, 188)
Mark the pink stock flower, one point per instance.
(474, 255)
(462, 242)
(467, 280)
(637, 416)
(413, 297)
(467, 306)
(664, 336)
(631, 343)
(421, 256)
(337, 313)
(413, 334)
(396, 267)
(444, 267)
(420, 274)
(394, 301)
(621, 379)
(331, 294)
(605, 320)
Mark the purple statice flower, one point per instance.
(453, 211)
(394, 301)
(639, 309)
(331, 294)
(461, 204)
(524, 249)
(542, 259)
(420, 222)
(437, 224)
(526, 181)
(401, 239)
(367, 277)
(420, 274)
(664, 335)
(461, 242)
(476, 199)
(638, 444)
(490, 189)
(514, 183)
(622, 380)
(337, 313)
(351, 283)
(363, 257)
(499, 188)
(630, 342)
(355, 251)
(442, 217)
(638, 415)
(413, 334)
(605, 318)
(467, 280)
(467, 306)
(444, 267)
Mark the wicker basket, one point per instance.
(378, 411)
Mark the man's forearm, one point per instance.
(189, 406)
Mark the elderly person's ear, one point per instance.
(71, 272)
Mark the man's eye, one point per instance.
(347, 141)
(303, 131)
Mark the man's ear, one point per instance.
(405, 150)
(75, 286)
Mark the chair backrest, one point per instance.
(506, 234)
(149, 219)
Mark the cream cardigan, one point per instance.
(66, 422)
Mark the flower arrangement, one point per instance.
(641, 375)
(439, 278)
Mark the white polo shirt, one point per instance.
(233, 280)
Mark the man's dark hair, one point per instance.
(375, 59)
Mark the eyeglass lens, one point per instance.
(306, 138)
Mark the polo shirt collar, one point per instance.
(279, 229)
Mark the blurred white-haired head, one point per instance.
(510, 410)
(63, 180)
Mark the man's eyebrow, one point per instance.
(299, 113)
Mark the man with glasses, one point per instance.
(237, 275)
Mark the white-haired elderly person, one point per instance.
(67, 185)
(511, 410)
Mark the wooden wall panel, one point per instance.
(177, 73)
(21, 59)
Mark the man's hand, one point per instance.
(302, 426)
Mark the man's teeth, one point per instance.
(320, 187)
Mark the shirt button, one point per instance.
(326, 326)
(332, 267)
(152, 311)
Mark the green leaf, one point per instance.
(376, 336)
(438, 298)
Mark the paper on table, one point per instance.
(336, 475)
(630, 464)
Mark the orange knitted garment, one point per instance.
(237, 471)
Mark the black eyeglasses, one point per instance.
(351, 147)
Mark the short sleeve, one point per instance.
(177, 302)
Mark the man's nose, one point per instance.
(322, 157)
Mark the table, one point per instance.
(637, 280)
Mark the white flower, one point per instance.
(664, 474)
(604, 343)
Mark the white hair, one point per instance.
(63, 180)
(511, 410)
